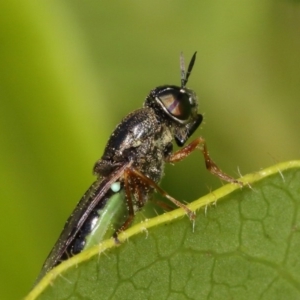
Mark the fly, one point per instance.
(132, 166)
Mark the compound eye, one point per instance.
(177, 103)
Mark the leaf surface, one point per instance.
(244, 244)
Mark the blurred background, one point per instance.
(70, 70)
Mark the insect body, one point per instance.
(132, 166)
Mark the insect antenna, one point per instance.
(185, 76)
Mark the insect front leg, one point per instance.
(200, 144)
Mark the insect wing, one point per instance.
(88, 202)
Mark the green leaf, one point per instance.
(244, 244)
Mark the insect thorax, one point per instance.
(140, 138)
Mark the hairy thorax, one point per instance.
(139, 138)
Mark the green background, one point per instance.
(70, 70)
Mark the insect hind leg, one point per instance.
(149, 182)
(132, 179)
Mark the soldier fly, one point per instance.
(132, 166)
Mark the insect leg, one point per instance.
(200, 144)
(162, 204)
(151, 183)
(128, 194)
